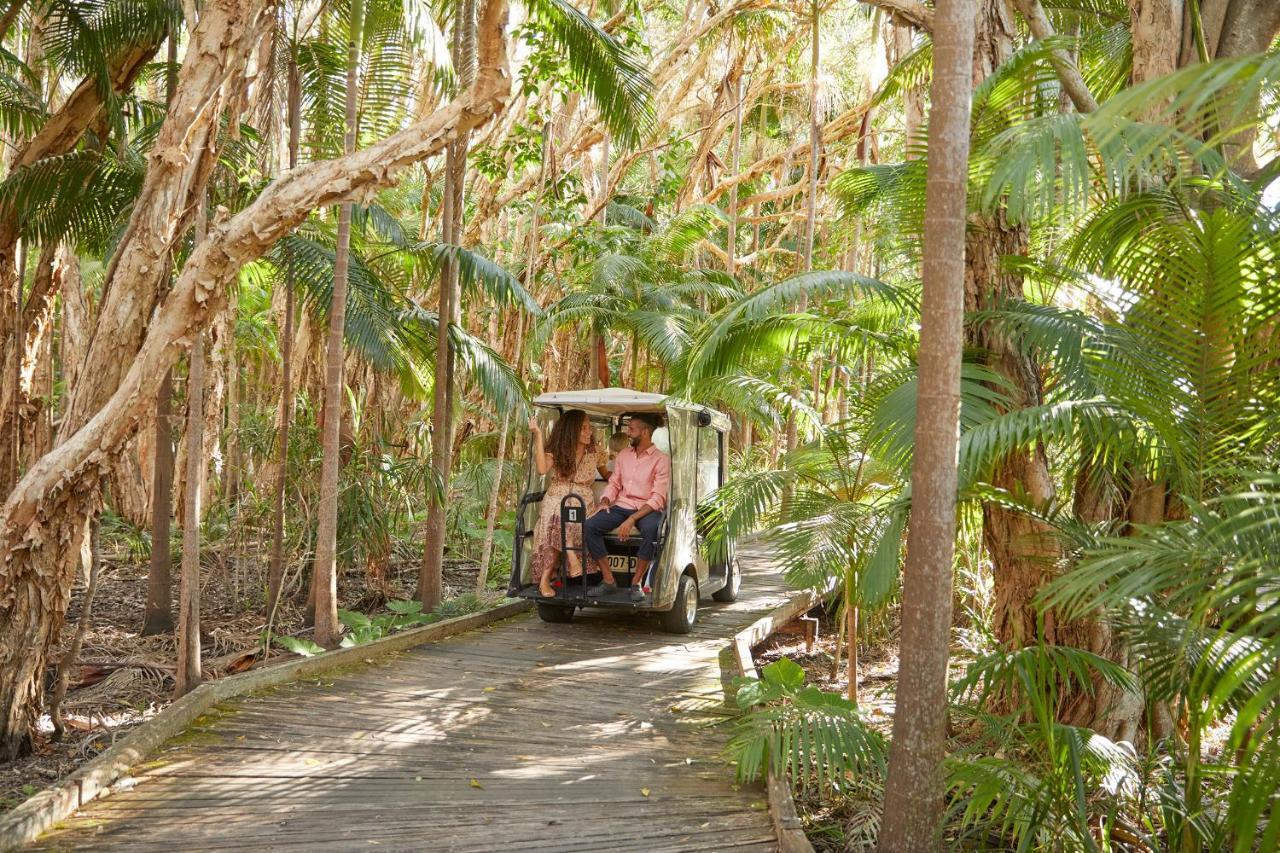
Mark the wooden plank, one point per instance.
(386, 753)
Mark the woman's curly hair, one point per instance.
(563, 443)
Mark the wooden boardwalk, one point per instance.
(520, 736)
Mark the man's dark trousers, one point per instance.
(608, 520)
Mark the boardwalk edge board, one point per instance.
(26, 822)
(782, 807)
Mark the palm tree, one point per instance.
(913, 795)
(324, 578)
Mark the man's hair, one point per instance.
(649, 419)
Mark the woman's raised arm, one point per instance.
(541, 458)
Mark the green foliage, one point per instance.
(1024, 776)
(810, 737)
(401, 614)
(363, 629)
(614, 79)
(301, 647)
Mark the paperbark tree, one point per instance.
(913, 793)
(57, 136)
(43, 520)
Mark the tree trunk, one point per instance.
(431, 578)
(36, 328)
(811, 220)
(157, 617)
(275, 571)
(851, 631)
(58, 135)
(491, 513)
(815, 145)
(912, 107)
(913, 804)
(530, 273)
(213, 400)
(1023, 550)
(324, 578)
(45, 515)
(62, 679)
(735, 164)
(231, 462)
(188, 670)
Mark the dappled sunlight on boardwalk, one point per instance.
(591, 735)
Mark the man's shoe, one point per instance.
(636, 594)
(602, 589)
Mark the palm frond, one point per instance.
(615, 81)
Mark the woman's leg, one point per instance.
(551, 571)
(575, 564)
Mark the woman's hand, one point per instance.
(534, 426)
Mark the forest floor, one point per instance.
(123, 678)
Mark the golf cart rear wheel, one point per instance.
(684, 611)
(557, 613)
(733, 582)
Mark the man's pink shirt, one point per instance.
(639, 479)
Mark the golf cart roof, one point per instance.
(614, 401)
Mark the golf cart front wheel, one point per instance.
(684, 611)
(557, 613)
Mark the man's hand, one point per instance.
(626, 529)
(603, 506)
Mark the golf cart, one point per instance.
(683, 569)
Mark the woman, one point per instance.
(573, 458)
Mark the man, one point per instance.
(633, 500)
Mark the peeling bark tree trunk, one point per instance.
(913, 804)
(36, 328)
(63, 678)
(58, 135)
(43, 519)
(1023, 550)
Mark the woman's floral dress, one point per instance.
(546, 531)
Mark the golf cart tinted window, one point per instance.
(708, 463)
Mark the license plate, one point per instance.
(622, 563)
